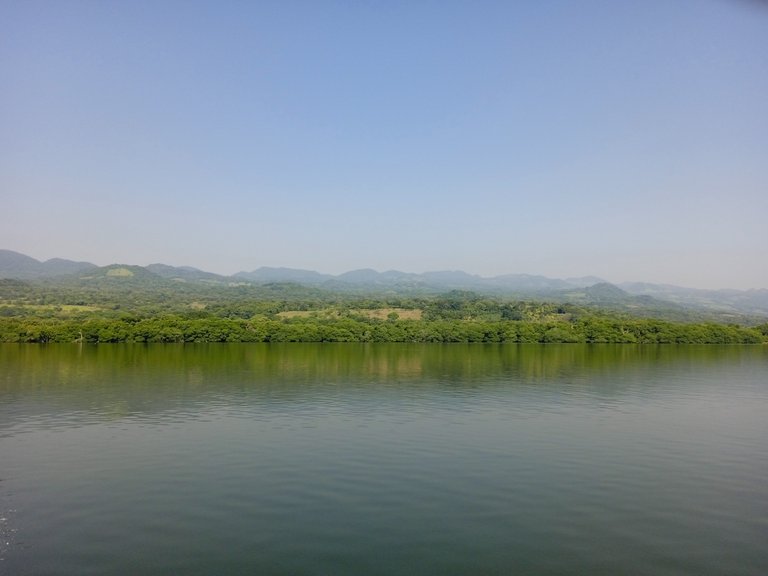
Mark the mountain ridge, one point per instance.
(22, 267)
(587, 289)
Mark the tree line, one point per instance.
(174, 328)
(136, 312)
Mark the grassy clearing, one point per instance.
(327, 313)
(383, 313)
(120, 272)
(64, 308)
(377, 313)
(63, 311)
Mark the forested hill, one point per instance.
(639, 299)
(20, 266)
(122, 303)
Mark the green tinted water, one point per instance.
(383, 459)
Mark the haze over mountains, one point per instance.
(587, 289)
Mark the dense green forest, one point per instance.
(122, 307)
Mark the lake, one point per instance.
(383, 459)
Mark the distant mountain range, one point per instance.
(19, 266)
(632, 296)
(426, 281)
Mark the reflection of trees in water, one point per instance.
(226, 365)
(108, 383)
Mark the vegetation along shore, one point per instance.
(52, 315)
(64, 301)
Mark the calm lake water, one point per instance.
(383, 459)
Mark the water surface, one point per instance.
(383, 459)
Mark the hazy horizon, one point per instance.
(626, 141)
(379, 270)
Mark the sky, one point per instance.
(626, 140)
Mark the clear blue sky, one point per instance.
(627, 140)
